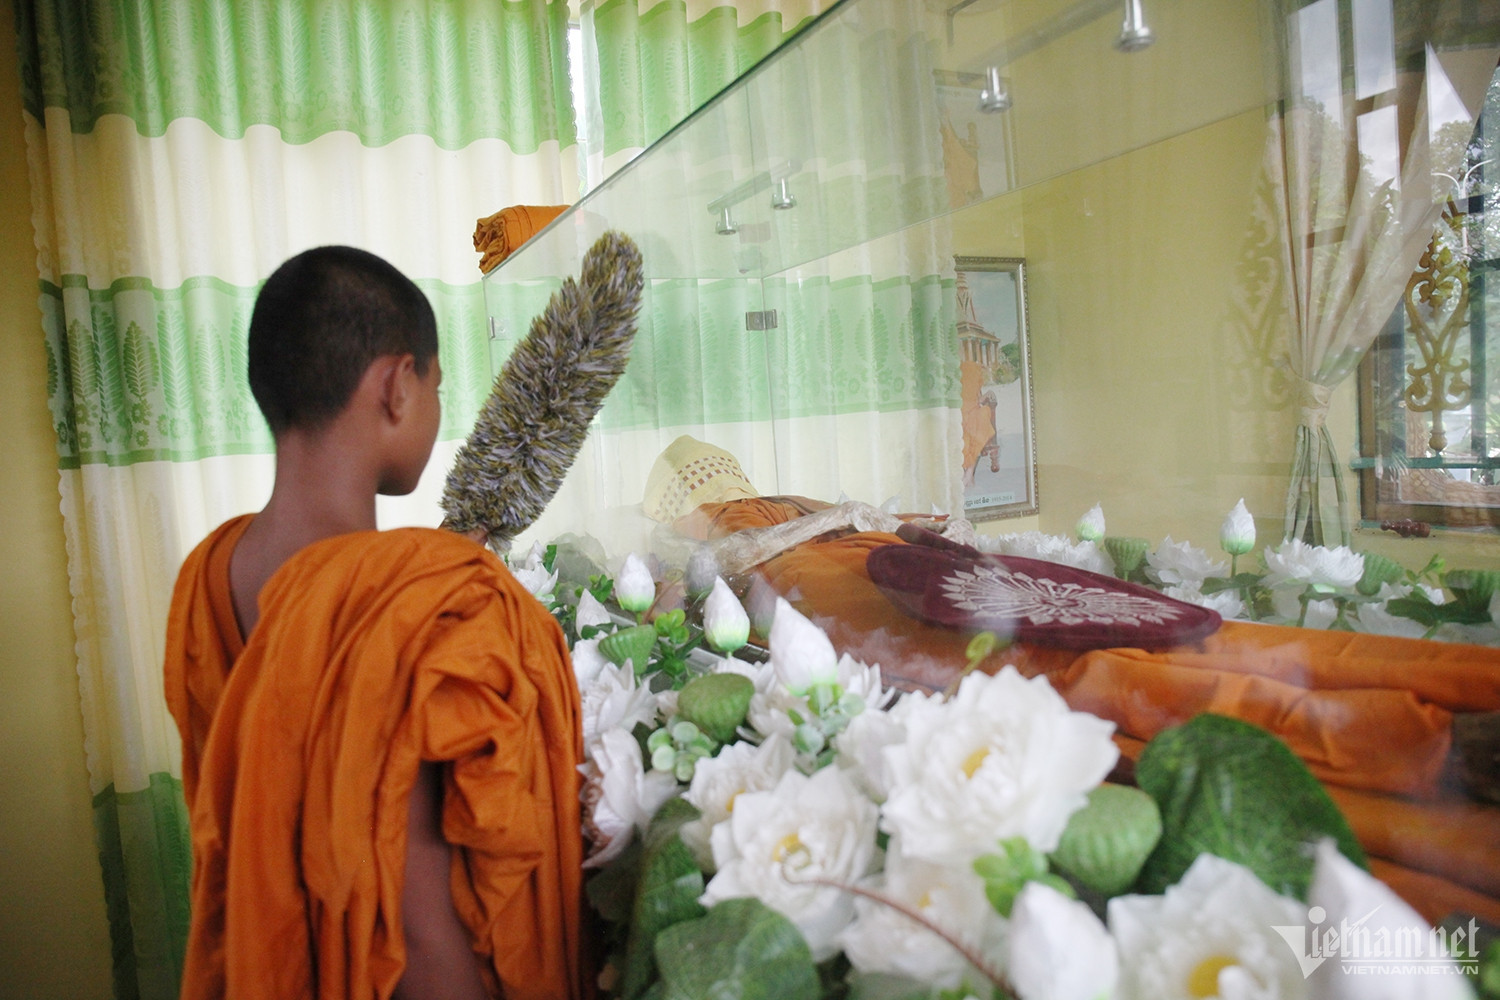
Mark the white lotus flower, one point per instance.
(1226, 602)
(587, 662)
(1345, 897)
(1237, 535)
(726, 624)
(718, 781)
(1295, 563)
(1287, 603)
(861, 750)
(1004, 757)
(800, 651)
(883, 940)
(804, 828)
(620, 794)
(1052, 548)
(532, 575)
(1182, 564)
(615, 701)
(634, 587)
(591, 612)
(1057, 949)
(1091, 525)
(1210, 935)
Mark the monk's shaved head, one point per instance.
(322, 318)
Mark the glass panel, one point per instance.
(1202, 237)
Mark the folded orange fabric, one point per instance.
(374, 651)
(498, 236)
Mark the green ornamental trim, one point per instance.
(137, 373)
(459, 71)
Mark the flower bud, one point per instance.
(634, 588)
(800, 652)
(1237, 536)
(725, 623)
(1091, 525)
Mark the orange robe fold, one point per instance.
(498, 236)
(374, 651)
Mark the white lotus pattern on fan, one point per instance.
(1018, 596)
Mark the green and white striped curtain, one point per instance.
(856, 389)
(178, 153)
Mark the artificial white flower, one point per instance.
(1342, 897)
(587, 662)
(718, 781)
(1210, 935)
(1287, 604)
(1091, 525)
(1226, 602)
(1183, 564)
(884, 940)
(1057, 949)
(634, 587)
(726, 624)
(800, 651)
(818, 827)
(1237, 535)
(619, 794)
(591, 612)
(861, 750)
(1052, 548)
(532, 575)
(1376, 620)
(614, 700)
(1004, 757)
(1295, 563)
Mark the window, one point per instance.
(1430, 385)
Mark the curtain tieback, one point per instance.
(1312, 400)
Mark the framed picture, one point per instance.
(999, 461)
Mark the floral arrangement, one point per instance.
(1296, 583)
(788, 827)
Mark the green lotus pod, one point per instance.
(716, 703)
(630, 644)
(1474, 587)
(1128, 553)
(1379, 570)
(1107, 841)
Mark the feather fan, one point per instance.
(538, 413)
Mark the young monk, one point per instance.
(380, 730)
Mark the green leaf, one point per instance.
(611, 890)
(1239, 581)
(667, 894)
(1473, 588)
(1229, 788)
(716, 703)
(741, 949)
(1107, 841)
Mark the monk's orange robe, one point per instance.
(374, 651)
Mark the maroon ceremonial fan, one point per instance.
(1032, 600)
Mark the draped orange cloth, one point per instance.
(1369, 715)
(374, 651)
(498, 236)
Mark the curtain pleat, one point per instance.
(178, 153)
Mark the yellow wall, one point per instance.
(54, 941)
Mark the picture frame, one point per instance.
(996, 398)
(978, 149)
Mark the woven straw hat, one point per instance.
(690, 473)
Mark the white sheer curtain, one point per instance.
(1359, 194)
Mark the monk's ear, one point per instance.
(395, 376)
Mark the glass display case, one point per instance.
(1107, 287)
